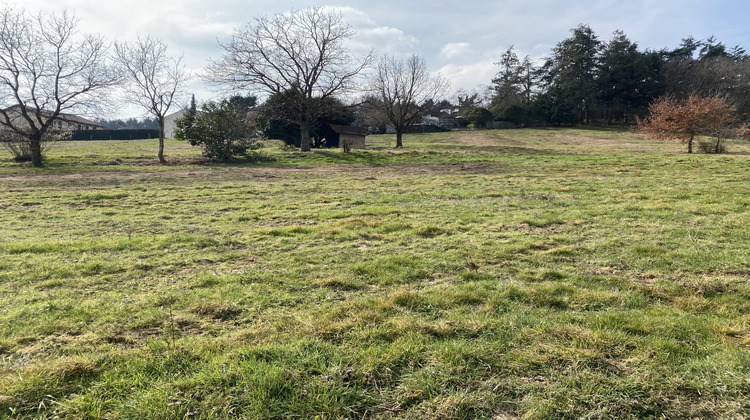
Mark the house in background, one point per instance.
(429, 119)
(169, 123)
(63, 122)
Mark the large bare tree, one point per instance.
(300, 54)
(47, 69)
(404, 88)
(155, 79)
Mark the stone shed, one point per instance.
(345, 133)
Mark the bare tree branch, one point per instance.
(403, 88)
(302, 50)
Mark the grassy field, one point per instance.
(550, 273)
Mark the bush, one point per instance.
(515, 114)
(477, 116)
(716, 146)
(20, 146)
(222, 130)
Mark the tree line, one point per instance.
(586, 80)
(129, 123)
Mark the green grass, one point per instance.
(551, 273)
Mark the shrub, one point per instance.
(512, 113)
(346, 145)
(20, 146)
(712, 146)
(477, 116)
(222, 130)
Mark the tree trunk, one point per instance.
(399, 136)
(690, 145)
(304, 141)
(161, 141)
(35, 146)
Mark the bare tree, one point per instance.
(155, 79)
(300, 54)
(404, 88)
(46, 70)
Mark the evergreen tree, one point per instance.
(276, 118)
(628, 79)
(243, 102)
(220, 129)
(513, 88)
(707, 68)
(507, 84)
(193, 107)
(572, 71)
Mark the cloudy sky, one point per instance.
(459, 40)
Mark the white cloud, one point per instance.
(469, 76)
(455, 49)
(386, 39)
(369, 34)
(210, 25)
(354, 17)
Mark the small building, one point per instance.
(355, 136)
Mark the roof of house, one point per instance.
(65, 117)
(176, 114)
(348, 129)
(78, 120)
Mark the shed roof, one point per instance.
(348, 129)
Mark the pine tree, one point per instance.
(628, 79)
(572, 72)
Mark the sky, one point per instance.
(461, 41)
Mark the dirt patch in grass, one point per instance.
(271, 174)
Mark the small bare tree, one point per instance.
(403, 89)
(671, 118)
(300, 54)
(46, 70)
(155, 79)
